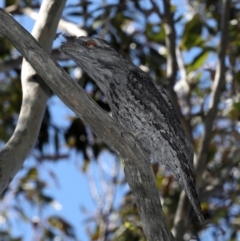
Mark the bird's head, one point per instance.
(96, 57)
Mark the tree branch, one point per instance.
(217, 89)
(35, 95)
(200, 160)
(137, 167)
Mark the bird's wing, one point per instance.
(157, 102)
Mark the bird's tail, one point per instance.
(188, 183)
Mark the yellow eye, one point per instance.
(91, 44)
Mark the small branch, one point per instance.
(170, 43)
(137, 168)
(186, 87)
(217, 89)
(200, 160)
(109, 190)
(156, 9)
(181, 67)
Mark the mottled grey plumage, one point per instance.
(140, 106)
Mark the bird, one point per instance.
(140, 106)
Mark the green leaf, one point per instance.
(192, 34)
(32, 174)
(237, 76)
(199, 60)
(155, 33)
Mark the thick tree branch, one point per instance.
(35, 95)
(218, 85)
(137, 168)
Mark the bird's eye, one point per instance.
(91, 44)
